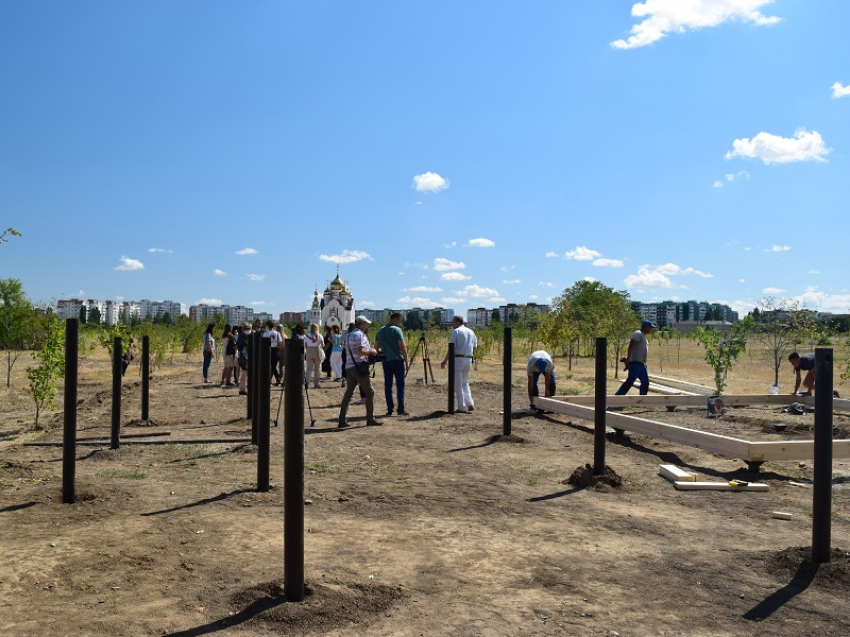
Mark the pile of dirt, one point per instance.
(795, 563)
(584, 477)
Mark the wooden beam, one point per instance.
(720, 486)
(683, 384)
(723, 445)
(794, 450)
(675, 474)
(203, 441)
(734, 400)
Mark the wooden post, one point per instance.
(451, 378)
(822, 490)
(146, 377)
(506, 382)
(600, 405)
(117, 358)
(293, 468)
(69, 435)
(264, 388)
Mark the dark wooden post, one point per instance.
(69, 432)
(506, 381)
(451, 356)
(600, 406)
(293, 463)
(117, 358)
(264, 386)
(822, 490)
(146, 377)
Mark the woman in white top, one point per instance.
(209, 350)
(315, 352)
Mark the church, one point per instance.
(336, 306)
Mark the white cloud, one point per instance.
(347, 256)
(258, 303)
(742, 280)
(477, 291)
(772, 149)
(582, 253)
(824, 302)
(442, 265)
(429, 182)
(454, 276)
(741, 174)
(717, 184)
(646, 278)
(255, 277)
(163, 250)
(408, 264)
(589, 279)
(840, 91)
(209, 301)
(533, 297)
(422, 288)
(551, 255)
(547, 284)
(218, 272)
(511, 281)
(449, 246)
(508, 268)
(772, 291)
(247, 252)
(662, 17)
(813, 272)
(673, 269)
(608, 263)
(128, 264)
(366, 303)
(481, 242)
(450, 300)
(416, 301)
(778, 248)
(497, 299)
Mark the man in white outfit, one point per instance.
(465, 342)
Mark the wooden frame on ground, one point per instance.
(754, 453)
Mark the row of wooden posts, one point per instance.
(258, 406)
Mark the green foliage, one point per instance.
(412, 321)
(780, 326)
(17, 323)
(9, 231)
(188, 334)
(50, 368)
(722, 348)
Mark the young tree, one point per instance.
(782, 325)
(50, 368)
(84, 315)
(16, 323)
(722, 348)
(94, 317)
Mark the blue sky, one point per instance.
(461, 154)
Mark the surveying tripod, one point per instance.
(426, 361)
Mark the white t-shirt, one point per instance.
(641, 347)
(274, 335)
(464, 340)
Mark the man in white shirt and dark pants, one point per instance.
(465, 342)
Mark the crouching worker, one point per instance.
(540, 363)
(804, 363)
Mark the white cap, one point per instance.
(362, 319)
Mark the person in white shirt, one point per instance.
(274, 335)
(465, 342)
(315, 345)
(358, 351)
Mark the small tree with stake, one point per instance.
(722, 348)
(50, 368)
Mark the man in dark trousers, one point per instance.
(636, 360)
(390, 343)
(804, 363)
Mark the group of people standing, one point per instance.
(234, 347)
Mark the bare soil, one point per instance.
(434, 524)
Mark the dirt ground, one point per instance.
(430, 525)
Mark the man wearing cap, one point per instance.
(636, 360)
(358, 351)
(540, 363)
(465, 342)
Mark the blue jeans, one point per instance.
(394, 369)
(636, 371)
(207, 360)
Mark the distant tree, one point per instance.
(840, 323)
(723, 347)
(165, 319)
(189, 334)
(17, 326)
(412, 321)
(782, 326)
(94, 316)
(84, 315)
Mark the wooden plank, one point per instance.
(675, 474)
(200, 441)
(723, 445)
(736, 400)
(793, 450)
(720, 486)
(147, 434)
(838, 404)
(703, 390)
